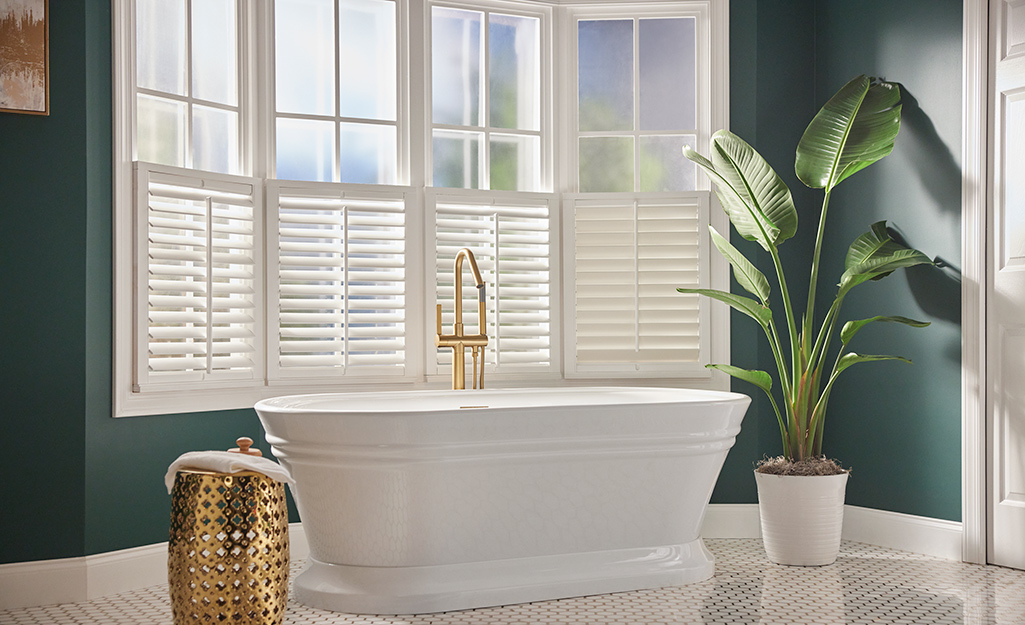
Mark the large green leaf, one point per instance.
(746, 305)
(875, 242)
(748, 276)
(757, 200)
(760, 379)
(746, 219)
(856, 128)
(852, 359)
(851, 327)
(874, 255)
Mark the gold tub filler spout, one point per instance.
(459, 341)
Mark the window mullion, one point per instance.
(484, 77)
(243, 146)
(189, 101)
(337, 167)
(637, 104)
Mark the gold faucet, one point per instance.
(457, 340)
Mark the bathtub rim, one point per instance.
(300, 403)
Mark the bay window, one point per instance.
(294, 177)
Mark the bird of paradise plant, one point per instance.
(857, 127)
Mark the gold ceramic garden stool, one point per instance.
(227, 554)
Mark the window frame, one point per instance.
(267, 97)
(712, 112)
(414, 170)
(544, 12)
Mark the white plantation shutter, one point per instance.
(199, 282)
(338, 275)
(627, 258)
(510, 239)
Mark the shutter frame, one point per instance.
(299, 311)
(524, 336)
(644, 321)
(212, 335)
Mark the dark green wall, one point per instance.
(771, 71)
(42, 294)
(78, 482)
(897, 426)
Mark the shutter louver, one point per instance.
(341, 283)
(512, 247)
(198, 239)
(629, 258)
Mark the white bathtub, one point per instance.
(430, 501)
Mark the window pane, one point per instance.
(305, 149)
(160, 131)
(515, 163)
(457, 159)
(367, 53)
(605, 71)
(456, 52)
(663, 166)
(606, 164)
(160, 45)
(215, 140)
(666, 53)
(368, 153)
(304, 56)
(514, 73)
(213, 51)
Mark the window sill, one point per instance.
(179, 401)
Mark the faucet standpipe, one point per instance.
(459, 341)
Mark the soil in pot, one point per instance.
(809, 466)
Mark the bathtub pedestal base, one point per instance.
(443, 588)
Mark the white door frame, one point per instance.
(974, 197)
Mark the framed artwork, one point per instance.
(24, 57)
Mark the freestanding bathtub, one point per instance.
(430, 501)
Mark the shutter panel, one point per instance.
(511, 242)
(338, 307)
(629, 256)
(200, 281)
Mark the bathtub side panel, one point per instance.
(568, 481)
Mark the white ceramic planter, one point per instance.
(802, 517)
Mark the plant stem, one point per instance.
(813, 282)
(779, 418)
(791, 326)
(818, 415)
(777, 354)
(788, 428)
(818, 352)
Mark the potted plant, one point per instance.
(801, 494)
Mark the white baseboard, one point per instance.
(906, 532)
(732, 520)
(70, 580)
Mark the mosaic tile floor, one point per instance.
(866, 585)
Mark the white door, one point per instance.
(1006, 298)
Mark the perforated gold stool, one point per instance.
(227, 554)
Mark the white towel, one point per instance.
(226, 462)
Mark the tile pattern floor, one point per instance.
(866, 585)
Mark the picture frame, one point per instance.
(25, 57)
